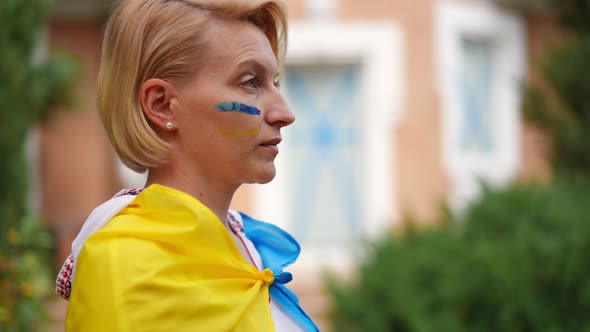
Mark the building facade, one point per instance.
(401, 106)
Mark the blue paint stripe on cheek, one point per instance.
(232, 106)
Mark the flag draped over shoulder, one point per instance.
(166, 263)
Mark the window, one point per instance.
(325, 147)
(481, 60)
(476, 89)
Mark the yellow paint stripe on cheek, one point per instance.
(239, 133)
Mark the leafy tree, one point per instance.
(30, 87)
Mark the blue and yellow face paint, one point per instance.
(239, 133)
(232, 106)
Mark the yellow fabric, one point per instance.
(166, 263)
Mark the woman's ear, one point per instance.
(155, 98)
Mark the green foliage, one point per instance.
(24, 276)
(574, 14)
(29, 89)
(566, 113)
(516, 261)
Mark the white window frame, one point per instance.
(506, 31)
(378, 49)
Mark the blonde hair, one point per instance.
(146, 39)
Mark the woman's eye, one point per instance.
(277, 84)
(252, 83)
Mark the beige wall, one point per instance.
(77, 171)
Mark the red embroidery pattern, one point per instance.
(64, 279)
(235, 225)
(134, 192)
(238, 228)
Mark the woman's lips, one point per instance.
(272, 145)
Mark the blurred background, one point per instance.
(436, 176)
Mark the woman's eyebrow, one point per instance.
(255, 64)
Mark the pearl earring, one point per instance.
(169, 125)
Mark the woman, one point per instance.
(188, 90)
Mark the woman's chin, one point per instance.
(266, 180)
(263, 175)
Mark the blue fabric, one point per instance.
(278, 249)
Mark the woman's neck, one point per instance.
(215, 195)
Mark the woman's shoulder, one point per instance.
(134, 231)
(119, 242)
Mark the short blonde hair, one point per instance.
(146, 39)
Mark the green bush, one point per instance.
(515, 261)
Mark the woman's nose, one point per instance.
(278, 113)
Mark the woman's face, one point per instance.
(229, 117)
